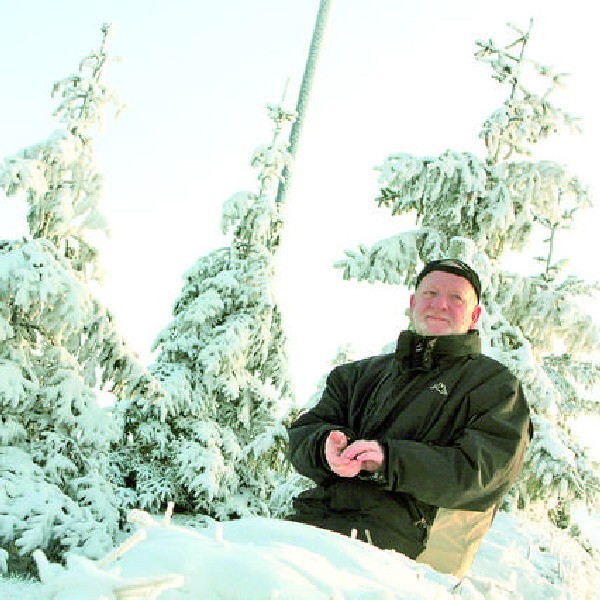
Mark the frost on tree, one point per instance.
(58, 344)
(481, 209)
(215, 442)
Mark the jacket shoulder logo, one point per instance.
(440, 388)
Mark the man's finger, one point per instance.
(371, 456)
(357, 448)
(351, 469)
(338, 438)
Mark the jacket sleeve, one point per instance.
(308, 433)
(476, 469)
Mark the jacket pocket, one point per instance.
(422, 516)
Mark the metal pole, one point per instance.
(303, 94)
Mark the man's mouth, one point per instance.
(437, 319)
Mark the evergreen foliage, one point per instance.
(58, 344)
(483, 210)
(214, 442)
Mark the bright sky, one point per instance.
(196, 75)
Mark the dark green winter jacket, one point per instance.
(454, 426)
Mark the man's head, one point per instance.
(446, 298)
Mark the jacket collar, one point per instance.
(425, 352)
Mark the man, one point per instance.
(435, 424)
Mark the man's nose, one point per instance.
(440, 301)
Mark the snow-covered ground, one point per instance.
(264, 558)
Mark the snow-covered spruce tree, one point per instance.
(215, 442)
(57, 343)
(54, 437)
(482, 209)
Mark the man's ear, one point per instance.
(475, 315)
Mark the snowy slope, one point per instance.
(264, 558)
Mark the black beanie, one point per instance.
(454, 266)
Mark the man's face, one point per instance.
(444, 304)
